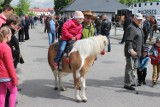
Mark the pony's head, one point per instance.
(102, 42)
(91, 46)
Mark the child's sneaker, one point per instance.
(153, 84)
(55, 65)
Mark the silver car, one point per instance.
(157, 17)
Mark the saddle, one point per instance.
(68, 48)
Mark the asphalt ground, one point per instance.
(104, 80)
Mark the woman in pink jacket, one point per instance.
(6, 12)
(71, 30)
(8, 78)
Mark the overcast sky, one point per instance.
(36, 3)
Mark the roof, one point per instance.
(41, 9)
(106, 6)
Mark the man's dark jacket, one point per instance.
(133, 39)
(106, 27)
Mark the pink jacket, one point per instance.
(71, 28)
(2, 19)
(6, 63)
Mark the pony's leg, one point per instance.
(76, 78)
(83, 88)
(56, 79)
(77, 91)
(84, 81)
(61, 87)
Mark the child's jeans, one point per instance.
(156, 70)
(13, 93)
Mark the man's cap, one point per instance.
(138, 16)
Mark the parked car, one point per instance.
(157, 17)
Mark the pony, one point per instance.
(80, 60)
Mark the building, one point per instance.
(146, 8)
(108, 7)
(42, 11)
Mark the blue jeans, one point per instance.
(109, 44)
(51, 37)
(60, 51)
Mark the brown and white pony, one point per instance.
(81, 58)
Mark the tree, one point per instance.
(3, 3)
(6, 2)
(59, 4)
(129, 2)
(23, 7)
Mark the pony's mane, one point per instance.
(90, 46)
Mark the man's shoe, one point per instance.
(133, 85)
(153, 84)
(144, 83)
(120, 42)
(55, 65)
(139, 84)
(129, 87)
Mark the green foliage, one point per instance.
(128, 2)
(23, 7)
(31, 14)
(3, 3)
(6, 2)
(59, 4)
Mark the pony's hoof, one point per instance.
(84, 100)
(63, 89)
(56, 88)
(78, 100)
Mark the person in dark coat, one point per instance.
(26, 28)
(146, 28)
(21, 30)
(105, 29)
(127, 22)
(60, 22)
(132, 49)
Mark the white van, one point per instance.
(157, 17)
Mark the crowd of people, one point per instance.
(137, 53)
(136, 30)
(81, 26)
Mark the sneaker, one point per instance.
(129, 87)
(55, 65)
(153, 84)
